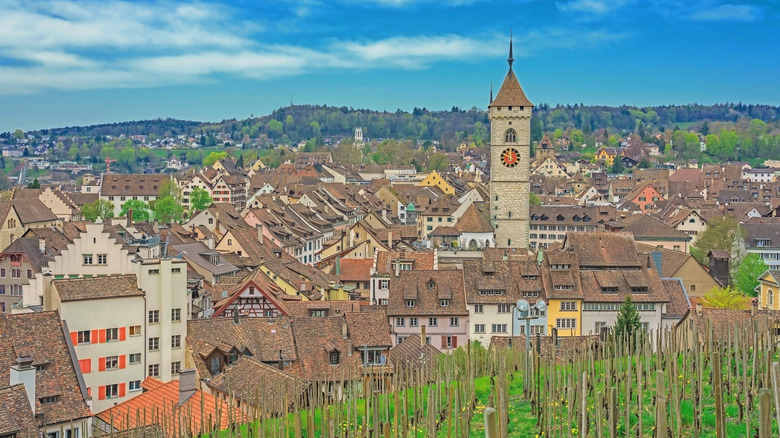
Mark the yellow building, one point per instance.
(435, 180)
(565, 315)
(607, 155)
(769, 290)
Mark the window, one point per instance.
(334, 357)
(409, 303)
(609, 290)
(154, 316)
(400, 322)
(433, 322)
(413, 322)
(112, 362)
(154, 344)
(112, 391)
(510, 136)
(83, 337)
(175, 315)
(444, 303)
(29, 273)
(478, 308)
(2, 272)
(155, 271)
(770, 298)
(49, 400)
(154, 370)
(112, 334)
(87, 259)
(101, 259)
(600, 325)
(504, 308)
(450, 341)
(568, 306)
(479, 328)
(498, 328)
(176, 341)
(566, 323)
(384, 284)
(454, 322)
(135, 358)
(175, 367)
(135, 330)
(134, 385)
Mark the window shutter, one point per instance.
(86, 366)
(122, 333)
(102, 364)
(443, 342)
(122, 389)
(102, 335)
(94, 338)
(122, 360)
(74, 336)
(101, 392)
(454, 342)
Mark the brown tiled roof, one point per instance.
(21, 193)
(262, 337)
(602, 249)
(445, 231)
(355, 269)
(116, 184)
(29, 246)
(32, 210)
(473, 221)
(82, 199)
(671, 260)
(511, 93)
(315, 339)
(261, 385)
(18, 418)
(42, 337)
(424, 261)
(412, 355)
(368, 328)
(679, 303)
(302, 309)
(95, 288)
(159, 405)
(646, 227)
(512, 277)
(56, 240)
(427, 288)
(624, 280)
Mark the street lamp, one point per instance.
(525, 314)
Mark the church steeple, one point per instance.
(510, 60)
(491, 91)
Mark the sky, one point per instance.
(79, 62)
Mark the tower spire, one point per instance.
(510, 60)
(491, 91)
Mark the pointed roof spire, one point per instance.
(491, 91)
(510, 60)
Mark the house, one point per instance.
(388, 265)
(651, 231)
(36, 348)
(549, 224)
(414, 356)
(118, 188)
(206, 262)
(644, 196)
(434, 179)
(355, 274)
(676, 264)
(769, 290)
(174, 408)
(474, 229)
(607, 155)
(19, 263)
(421, 300)
(545, 149)
(763, 239)
(54, 199)
(257, 296)
(492, 289)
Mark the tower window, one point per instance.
(508, 242)
(510, 135)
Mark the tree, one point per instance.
(35, 184)
(18, 134)
(141, 211)
(213, 158)
(200, 199)
(168, 210)
(169, 188)
(721, 233)
(534, 200)
(617, 165)
(705, 128)
(746, 276)
(628, 320)
(725, 298)
(437, 162)
(644, 163)
(100, 209)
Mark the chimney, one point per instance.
(344, 329)
(698, 309)
(281, 361)
(235, 316)
(397, 267)
(390, 239)
(216, 220)
(753, 307)
(186, 385)
(658, 259)
(193, 233)
(23, 372)
(422, 336)
(210, 242)
(42, 245)
(260, 233)
(129, 217)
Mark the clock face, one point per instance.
(510, 157)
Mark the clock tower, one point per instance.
(510, 150)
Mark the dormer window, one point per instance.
(444, 303)
(559, 267)
(431, 285)
(215, 259)
(410, 303)
(334, 357)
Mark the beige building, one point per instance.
(11, 226)
(510, 133)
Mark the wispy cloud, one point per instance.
(77, 45)
(592, 8)
(726, 12)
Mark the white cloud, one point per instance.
(726, 12)
(592, 7)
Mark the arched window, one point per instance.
(770, 300)
(511, 135)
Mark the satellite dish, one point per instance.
(523, 306)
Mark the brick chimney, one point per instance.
(23, 372)
(186, 385)
(129, 217)
(719, 266)
(260, 233)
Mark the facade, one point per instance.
(118, 188)
(764, 239)
(510, 133)
(388, 266)
(18, 265)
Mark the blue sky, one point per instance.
(68, 62)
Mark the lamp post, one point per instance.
(525, 314)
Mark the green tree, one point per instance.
(168, 210)
(628, 320)
(437, 162)
(644, 163)
(725, 298)
(141, 211)
(721, 233)
(18, 134)
(534, 200)
(100, 209)
(35, 184)
(705, 128)
(200, 199)
(213, 158)
(617, 166)
(169, 188)
(745, 278)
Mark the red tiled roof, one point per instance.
(355, 269)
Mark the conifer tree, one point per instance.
(627, 320)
